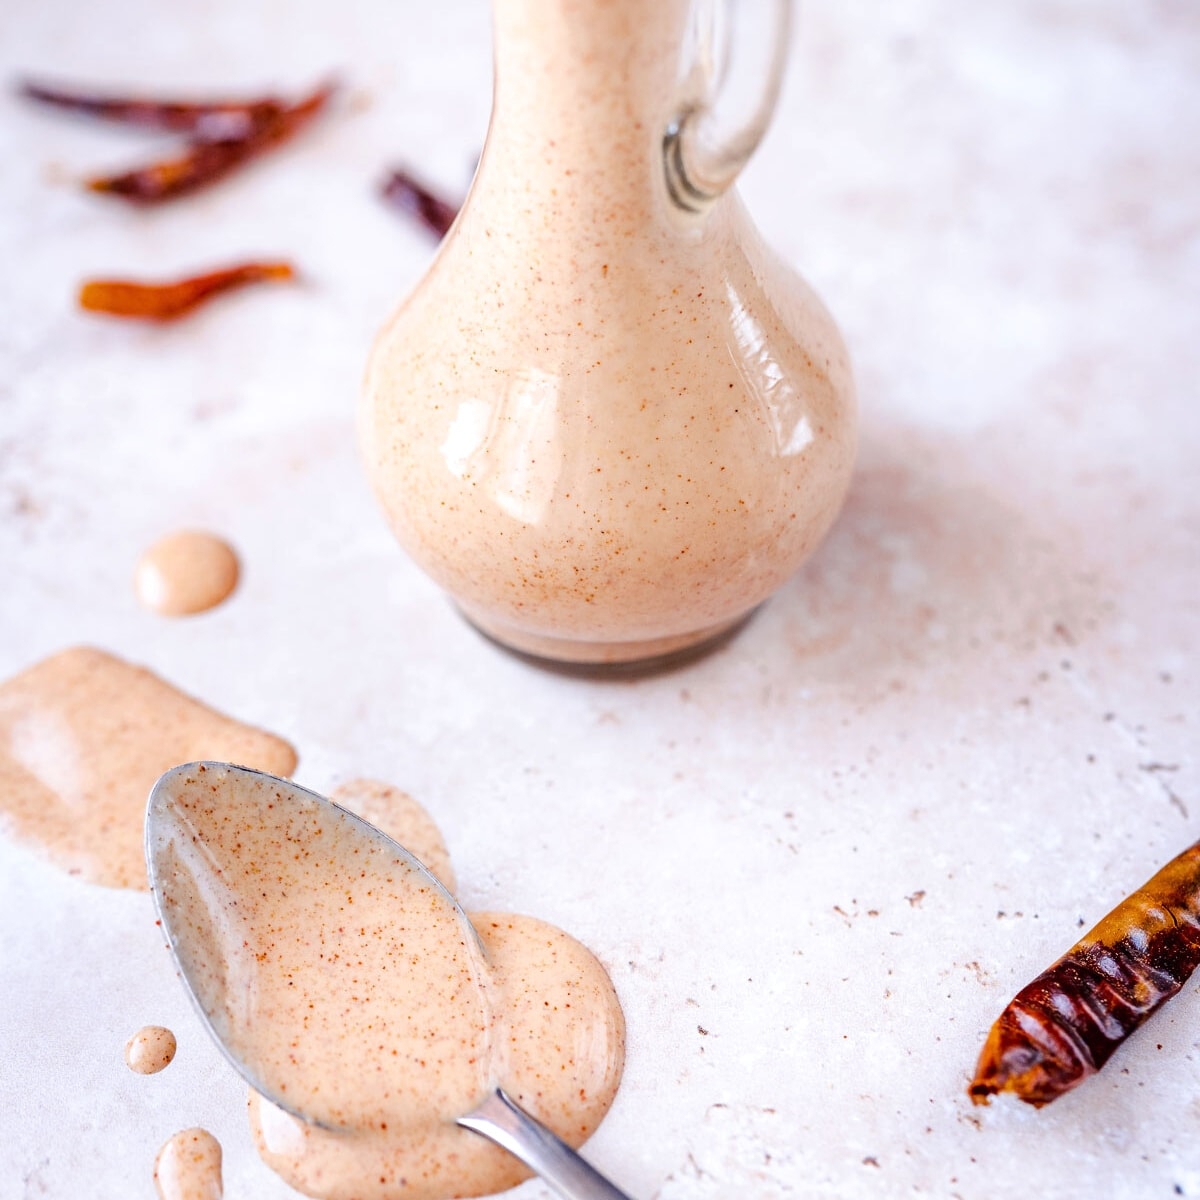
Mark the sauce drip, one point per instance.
(186, 572)
(352, 988)
(83, 737)
(150, 1050)
(188, 1167)
(400, 817)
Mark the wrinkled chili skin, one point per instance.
(211, 121)
(404, 192)
(1065, 1025)
(208, 159)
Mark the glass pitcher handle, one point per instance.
(731, 71)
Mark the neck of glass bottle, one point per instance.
(584, 92)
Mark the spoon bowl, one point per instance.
(270, 894)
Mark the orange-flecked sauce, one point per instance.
(188, 1167)
(83, 737)
(186, 572)
(401, 817)
(350, 984)
(150, 1050)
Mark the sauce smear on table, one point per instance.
(83, 737)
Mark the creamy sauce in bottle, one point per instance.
(347, 982)
(83, 737)
(186, 572)
(188, 1167)
(150, 1050)
(608, 430)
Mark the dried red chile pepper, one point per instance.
(222, 136)
(222, 118)
(168, 301)
(207, 160)
(1065, 1025)
(407, 194)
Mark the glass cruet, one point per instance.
(610, 421)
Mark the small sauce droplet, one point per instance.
(186, 572)
(188, 1167)
(150, 1050)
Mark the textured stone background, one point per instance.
(818, 863)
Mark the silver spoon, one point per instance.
(176, 856)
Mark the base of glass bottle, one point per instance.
(614, 660)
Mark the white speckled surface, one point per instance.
(817, 863)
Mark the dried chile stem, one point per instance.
(207, 160)
(410, 196)
(206, 120)
(1065, 1025)
(168, 301)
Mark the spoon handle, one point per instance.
(501, 1120)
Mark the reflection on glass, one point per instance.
(467, 435)
(766, 380)
(511, 447)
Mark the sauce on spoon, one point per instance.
(349, 986)
(401, 817)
